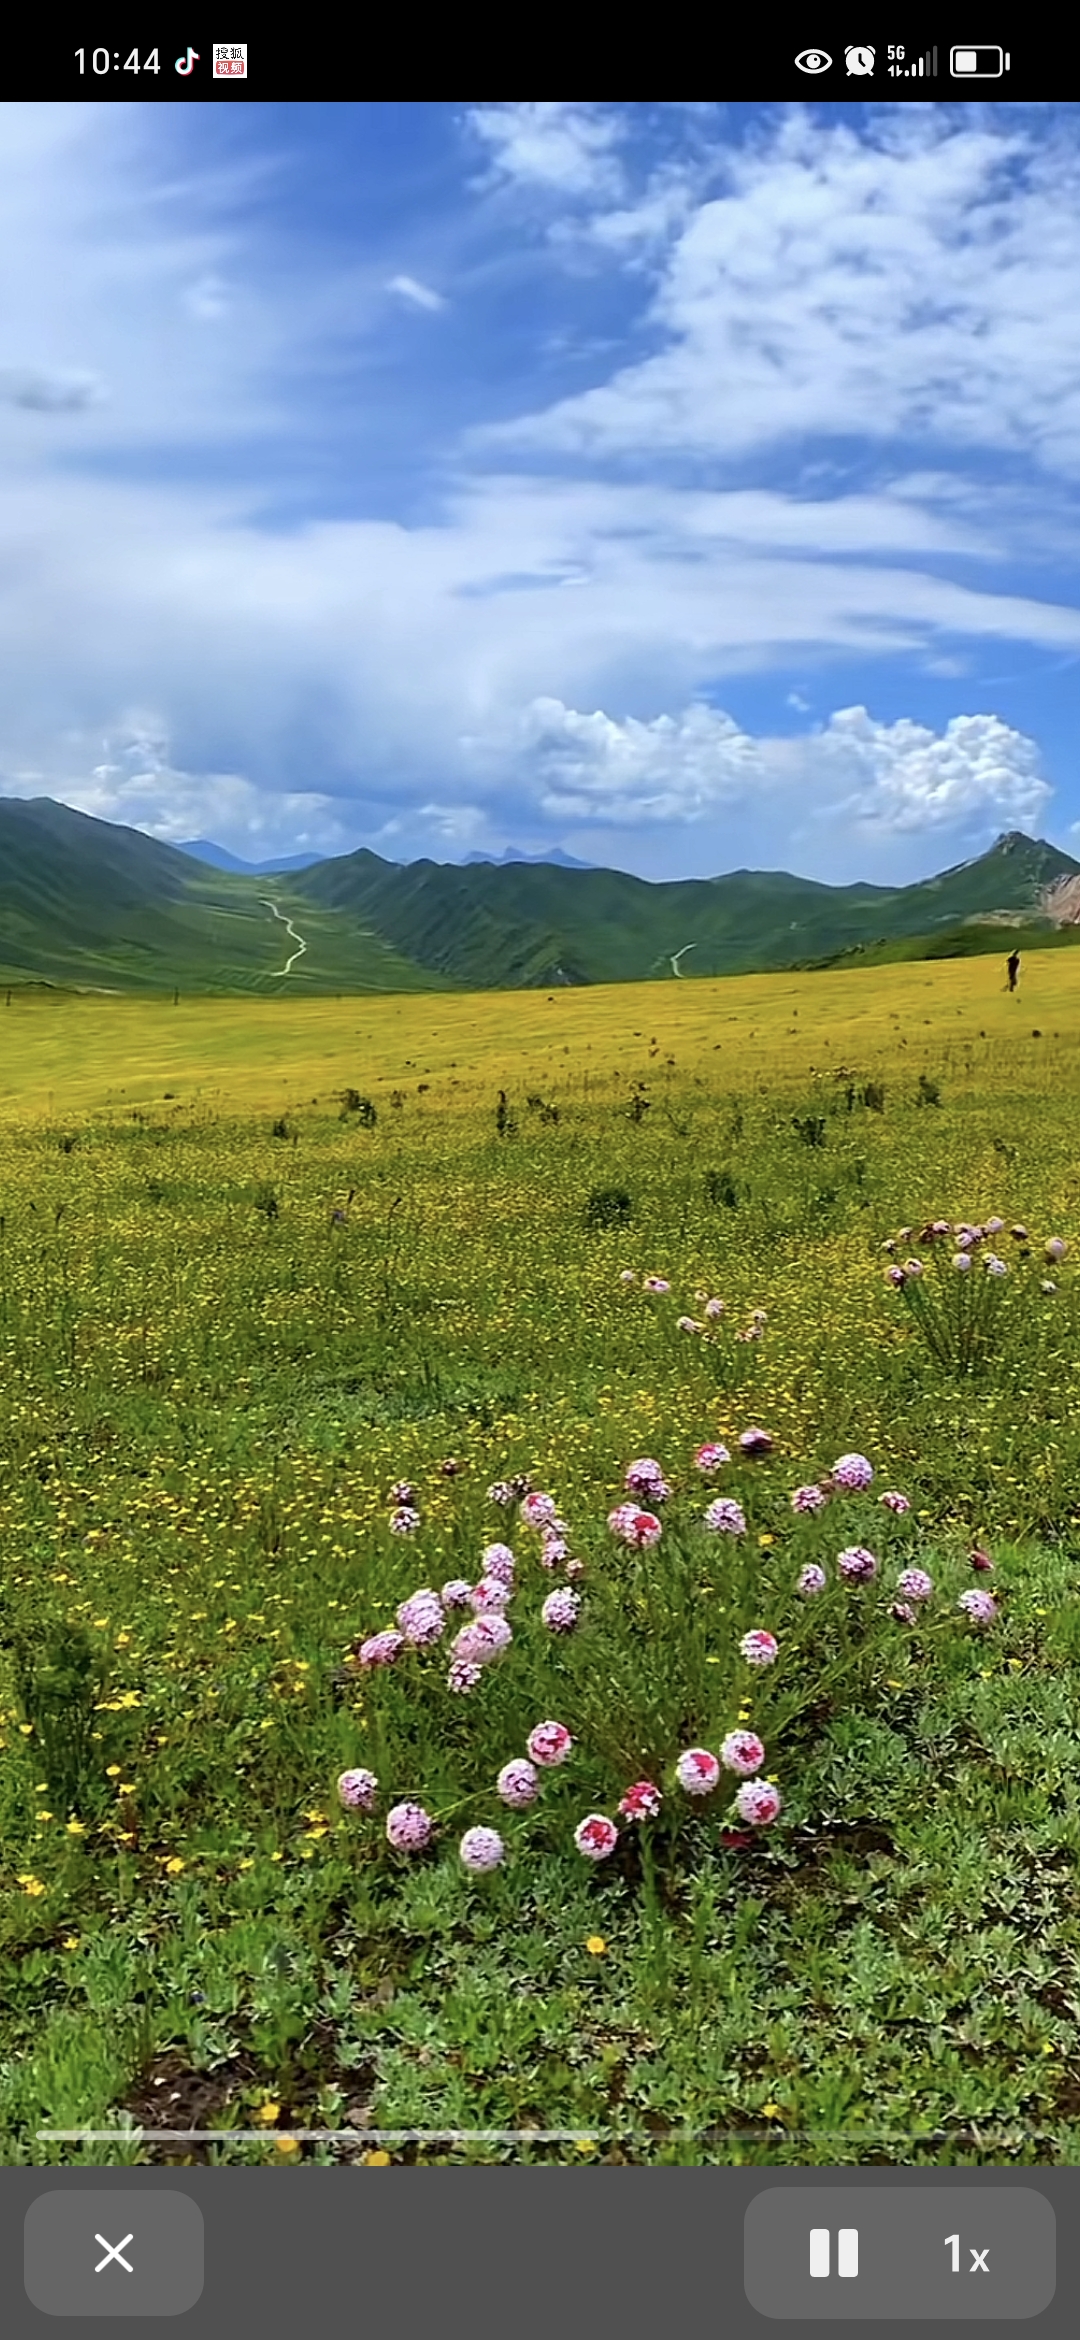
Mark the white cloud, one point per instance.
(909, 780)
(347, 673)
(896, 281)
(137, 785)
(420, 296)
(561, 147)
(892, 780)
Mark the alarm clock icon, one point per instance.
(859, 60)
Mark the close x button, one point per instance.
(113, 2254)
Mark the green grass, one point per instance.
(205, 1404)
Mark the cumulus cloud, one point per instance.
(561, 147)
(910, 780)
(891, 779)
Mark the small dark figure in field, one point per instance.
(1014, 968)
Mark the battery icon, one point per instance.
(986, 64)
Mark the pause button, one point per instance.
(847, 2250)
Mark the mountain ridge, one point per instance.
(94, 904)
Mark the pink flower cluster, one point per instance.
(642, 1801)
(421, 1618)
(357, 1790)
(852, 1474)
(759, 1648)
(725, 1517)
(561, 1609)
(646, 1478)
(409, 1828)
(481, 1849)
(698, 1773)
(857, 1565)
(634, 1526)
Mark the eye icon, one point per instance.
(813, 61)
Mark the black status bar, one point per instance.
(882, 65)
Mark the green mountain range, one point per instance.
(86, 904)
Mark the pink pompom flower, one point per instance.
(634, 1526)
(714, 1308)
(647, 1478)
(645, 1529)
(710, 1456)
(759, 1648)
(518, 1784)
(553, 1548)
(549, 1743)
(561, 1610)
(903, 1612)
(421, 1618)
(456, 1594)
(484, 1639)
(538, 1510)
(481, 1849)
(697, 1771)
(981, 1607)
(742, 1751)
(463, 1676)
(498, 1560)
(852, 1473)
(915, 1584)
(596, 1836)
(641, 1802)
(758, 1802)
(896, 1502)
(409, 1828)
(403, 1491)
(358, 1790)
(655, 1284)
(811, 1579)
(981, 1561)
(489, 1596)
(857, 1565)
(1055, 1248)
(404, 1521)
(755, 1441)
(380, 1649)
(810, 1499)
(725, 1517)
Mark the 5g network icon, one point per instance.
(813, 61)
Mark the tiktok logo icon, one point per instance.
(188, 63)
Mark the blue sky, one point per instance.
(689, 486)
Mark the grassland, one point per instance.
(234, 1310)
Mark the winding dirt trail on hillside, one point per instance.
(291, 930)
